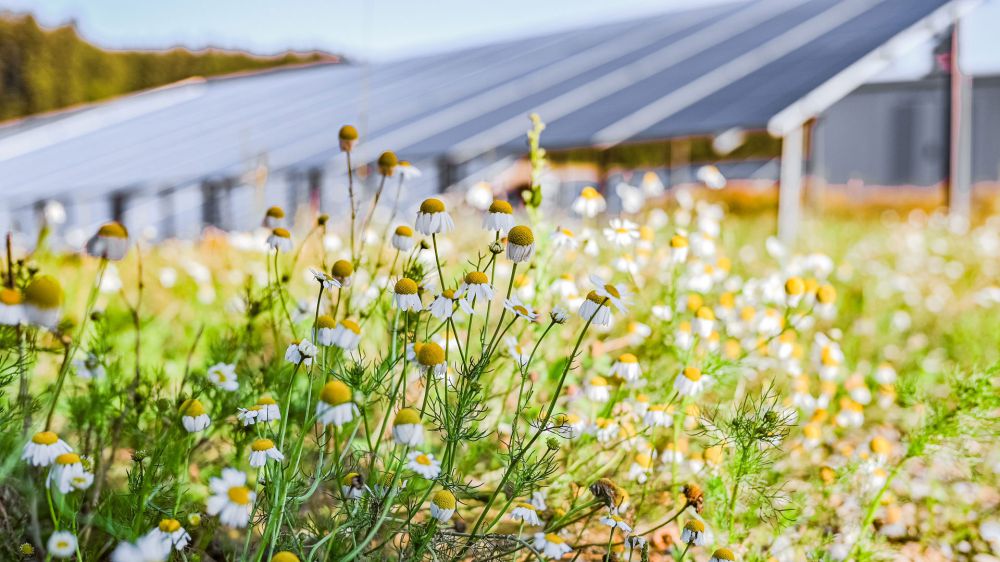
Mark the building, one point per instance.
(773, 74)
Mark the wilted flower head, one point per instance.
(110, 242)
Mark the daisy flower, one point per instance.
(442, 505)
(347, 335)
(690, 381)
(795, 289)
(519, 309)
(267, 409)
(263, 449)
(518, 353)
(340, 274)
(520, 244)
(443, 305)
(526, 512)
(621, 232)
(223, 375)
(693, 533)
(605, 429)
(274, 217)
(324, 333)
(67, 474)
(171, 531)
(335, 405)
(476, 285)
(408, 170)
(89, 368)
(590, 203)
(300, 352)
(231, 500)
(407, 429)
(280, 240)
(62, 544)
(42, 301)
(402, 238)
(348, 137)
(405, 295)
(387, 163)
(616, 293)
(678, 249)
(149, 548)
(11, 307)
(597, 390)
(564, 238)
(431, 357)
(352, 485)
(626, 368)
(110, 242)
(44, 448)
(723, 555)
(594, 309)
(433, 218)
(616, 521)
(424, 464)
(551, 545)
(193, 415)
(559, 315)
(499, 217)
(704, 321)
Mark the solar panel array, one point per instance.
(683, 73)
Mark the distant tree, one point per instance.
(45, 69)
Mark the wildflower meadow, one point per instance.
(494, 378)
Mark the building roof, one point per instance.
(684, 73)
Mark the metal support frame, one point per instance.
(790, 185)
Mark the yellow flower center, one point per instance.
(476, 278)
(627, 358)
(795, 286)
(404, 231)
(444, 499)
(499, 206)
(335, 392)
(239, 495)
(281, 233)
(266, 401)
(285, 556)
(192, 408)
(348, 133)
(678, 241)
(68, 458)
(407, 416)
(554, 538)
(521, 236)
(724, 554)
(262, 445)
(342, 269)
(169, 525)
(423, 459)
(692, 374)
(275, 212)
(705, 313)
(45, 438)
(326, 321)
(591, 193)
(406, 287)
(351, 325)
(695, 525)
(112, 230)
(43, 292)
(431, 206)
(598, 381)
(430, 354)
(612, 290)
(595, 298)
(826, 294)
(10, 297)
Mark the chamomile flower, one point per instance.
(171, 531)
(280, 240)
(11, 307)
(274, 217)
(149, 548)
(352, 485)
(551, 545)
(408, 170)
(597, 390)
(520, 244)
(517, 351)
(626, 368)
(642, 466)
(335, 405)
(263, 449)
(595, 310)
(231, 500)
(43, 448)
(67, 474)
(300, 352)
(348, 137)
(42, 301)
(589, 203)
(885, 374)
(405, 295)
(193, 415)
(443, 305)
(387, 163)
(424, 464)
(267, 409)
(622, 232)
(324, 332)
(407, 429)
(606, 430)
(62, 544)
(693, 533)
(475, 285)
(616, 293)
(499, 217)
(223, 375)
(402, 238)
(442, 505)
(690, 381)
(433, 218)
(519, 309)
(723, 555)
(564, 238)
(704, 322)
(678, 248)
(795, 290)
(616, 521)
(341, 274)
(431, 357)
(110, 242)
(527, 513)
(347, 335)
(559, 315)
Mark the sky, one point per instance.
(384, 29)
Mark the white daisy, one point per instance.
(622, 232)
(110, 242)
(405, 295)
(433, 218)
(564, 238)
(231, 500)
(223, 375)
(616, 521)
(597, 390)
(499, 217)
(280, 239)
(723, 555)
(693, 533)
(526, 512)
(476, 285)
(171, 531)
(590, 203)
(442, 505)
(149, 548)
(335, 405)
(519, 309)
(43, 301)
(300, 352)
(11, 307)
(62, 544)
(324, 331)
(402, 238)
(627, 368)
(690, 381)
(347, 335)
(352, 485)
(594, 309)
(551, 545)
(520, 244)
(193, 415)
(424, 464)
(407, 429)
(443, 305)
(67, 474)
(263, 449)
(43, 449)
